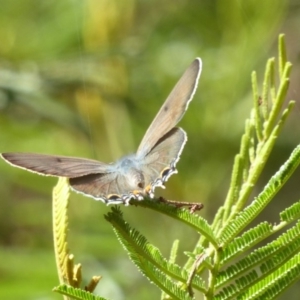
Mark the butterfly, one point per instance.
(134, 176)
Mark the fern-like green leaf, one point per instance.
(291, 213)
(163, 282)
(289, 245)
(60, 224)
(172, 260)
(174, 251)
(193, 220)
(235, 183)
(253, 210)
(266, 88)
(76, 293)
(256, 105)
(277, 282)
(141, 251)
(267, 258)
(281, 54)
(246, 241)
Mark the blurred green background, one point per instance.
(86, 78)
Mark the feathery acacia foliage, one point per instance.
(231, 249)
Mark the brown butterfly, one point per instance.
(132, 176)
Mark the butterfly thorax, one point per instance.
(128, 168)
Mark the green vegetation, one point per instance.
(86, 78)
(228, 262)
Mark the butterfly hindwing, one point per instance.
(111, 188)
(161, 161)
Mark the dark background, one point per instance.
(86, 78)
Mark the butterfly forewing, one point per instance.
(173, 109)
(55, 165)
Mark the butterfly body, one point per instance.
(134, 176)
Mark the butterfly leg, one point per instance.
(191, 205)
(136, 194)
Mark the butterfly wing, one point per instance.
(157, 154)
(111, 188)
(89, 177)
(99, 186)
(160, 163)
(55, 165)
(173, 109)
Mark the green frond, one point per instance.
(291, 213)
(272, 82)
(174, 251)
(253, 210)
(251, 286)
(218, 220)
(76, 293)
(287, 168)
(181, 214)
(281, 54)
(286, 112)
(277, 282)
(268, 258)
(256, 168)
(269, 73)
(232, 291)
(266, 121)
(141, 252)
(246, 142)
(288, 244)
(246, 241)
(255, 272)
(235, 183)
(164, 283)
(60, 201)
(172, 259)
(227, 293)
(280, 97)
(256, 105)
